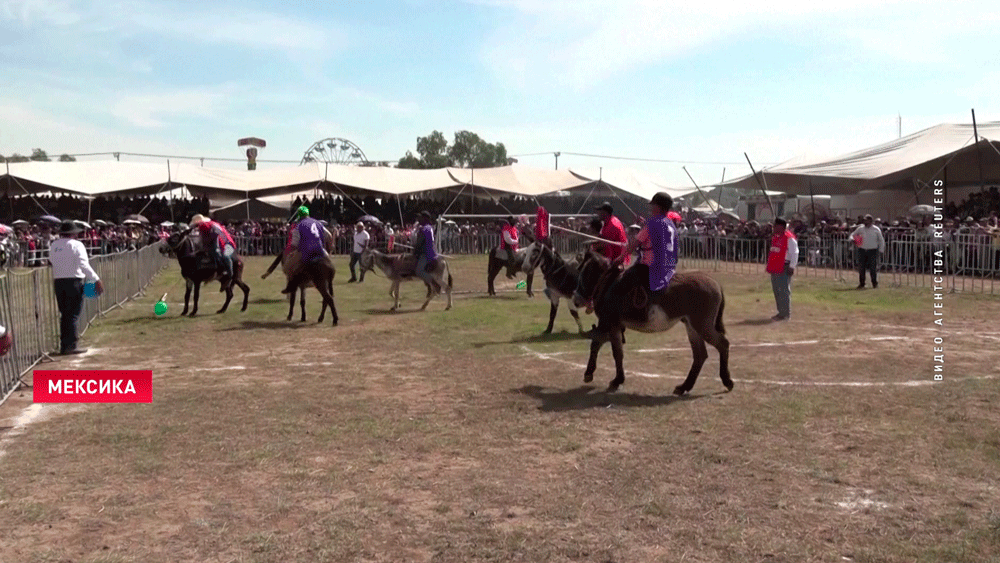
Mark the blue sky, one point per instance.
(692, 82)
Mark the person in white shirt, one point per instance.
(70, 269)
(872, 245)
(361, 239)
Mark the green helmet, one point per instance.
(303, 211)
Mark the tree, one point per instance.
(468, 150)
(14, 158)
(39, 155)
(66, 158)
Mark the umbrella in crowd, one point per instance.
(20, 222)
(922, 210)
(83, 225)
(48, 219)
(136, 217)
(101, 223)
(370, 219)
(131, 222)
(166, 224)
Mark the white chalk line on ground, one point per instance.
(912, 383)
(227, 368)
(26, 417)
(943, 330)
(767, 344)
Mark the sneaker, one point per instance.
(779, 318)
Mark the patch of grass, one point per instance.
(421, 435)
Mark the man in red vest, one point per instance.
(613, 230)
(781, 262)
(508, 243)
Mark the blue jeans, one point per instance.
(69, 298)
(422, 270)
(224, 258)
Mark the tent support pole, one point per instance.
(812, 202)
(763, 186)
(979, 153)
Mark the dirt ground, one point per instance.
(467, 435)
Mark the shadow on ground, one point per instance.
(580, 398)
(398, 311)
(753, 322)
(293, 324)
(536, 338)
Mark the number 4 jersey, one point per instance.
(310, 239)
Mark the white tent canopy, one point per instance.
(519, 180)
(88, 178)
(92, 178)
(947, 152)
(631, 181)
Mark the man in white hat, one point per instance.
(361, 238)
(70, 269)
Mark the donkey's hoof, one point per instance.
(680, 390)
(220, 311)
(588, 377)
(613, 386)
(729, 385)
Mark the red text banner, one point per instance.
(93, 386)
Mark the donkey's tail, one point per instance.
(450, 284)
(273, 265)
(718, 318)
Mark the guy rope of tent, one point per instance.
(26, 192)
(763, 187)
(158, 193)
(707, 199)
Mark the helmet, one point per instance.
(301, 212)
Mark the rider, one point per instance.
(509, 244)
(658, 242)
(219, 244)
(423, 249)
(307, 237)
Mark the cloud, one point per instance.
(150, 109)
(236, 25)
(578, 44)
(41, 12)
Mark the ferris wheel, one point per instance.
(335, 150)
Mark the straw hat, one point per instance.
(198, 219)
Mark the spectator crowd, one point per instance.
(971, 229)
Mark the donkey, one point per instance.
(197, 267)
(402, 268)
(287, 262)
(693, 298)
(561, 279)
(495, 265)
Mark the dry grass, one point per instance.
(438, 436)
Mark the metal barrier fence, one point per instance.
(969, 262)
(28, 306)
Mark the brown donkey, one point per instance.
(692, 298)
